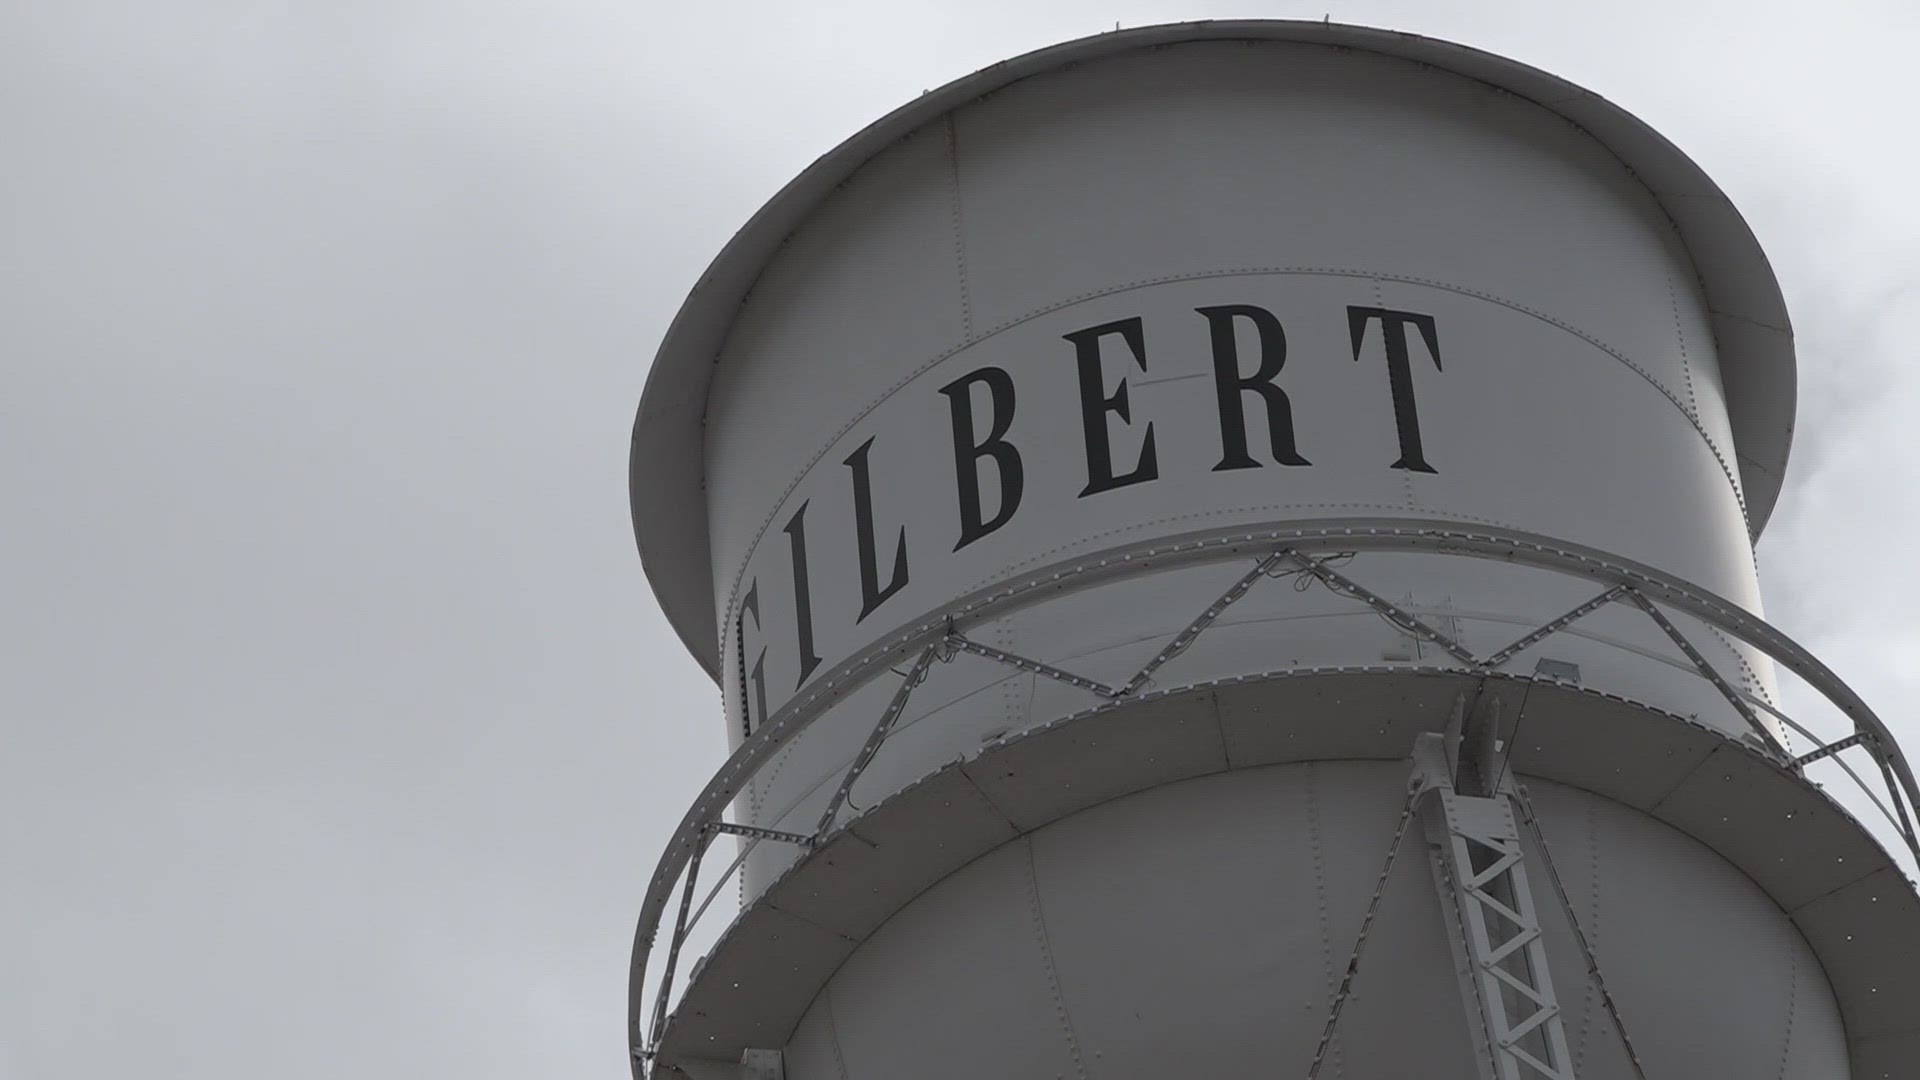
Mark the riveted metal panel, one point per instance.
(1538, 466)
(1083, 262)
(1800, 855)
(1036, 297)
(1240, 851)
(1351, 714)
(1887, 1057)
(847, 885)
(1051, 773)
(1710, 976)
(991, 1006)
(1153, 870)
(1605, 744)
(670, 522)
(744, 994)
(877, 863)
(1659, 908)
(1867, 927)
(814, 1049)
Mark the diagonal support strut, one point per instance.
(1394, 613)
(1707, 671)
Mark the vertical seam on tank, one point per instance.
(1010, 689)
(756, 806)
(1047, 961)
(1692, 410)
(1686, 361)
(1698, 766)
(833, 1034)
(1793, 1002)
(1320, 902)
(1751, 679)
(1220, 728)
(998, 810)
(740, 663)
(752, 792)
(778, 763)
(1592, 928)
(959, 238)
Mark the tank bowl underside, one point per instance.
(1213, 848)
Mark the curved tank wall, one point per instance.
(1205, 286)
(1079, 353)
(1228, 907)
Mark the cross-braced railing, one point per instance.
(1302, 551)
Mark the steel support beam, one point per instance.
(1579, 933)
(679, 938)
(1707, 671)
(1021, 663)
(875, 737)
(755, 832)
(1831, 749)
(1345, 993)
(1499, 952)
(1340, 583)
(1200, 622)
(1548, 629)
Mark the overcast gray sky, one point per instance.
(340, 728)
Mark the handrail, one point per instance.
(1629, 582)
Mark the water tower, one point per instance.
(1227, 549)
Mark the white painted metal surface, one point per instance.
(1746, 313)
(1223, 960)
(1212, 284)
(1492, 918)
(1195, 357)
(1672, 774)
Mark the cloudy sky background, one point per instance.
(340, 729)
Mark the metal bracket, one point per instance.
(1012, 660)
(755, 832)
(762, 1065)
(1831, 749)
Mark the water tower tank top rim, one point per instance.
(1748, 314)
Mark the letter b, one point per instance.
(967, 452)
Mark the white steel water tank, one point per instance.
(1228, 549)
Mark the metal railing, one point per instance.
(1280, 551)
